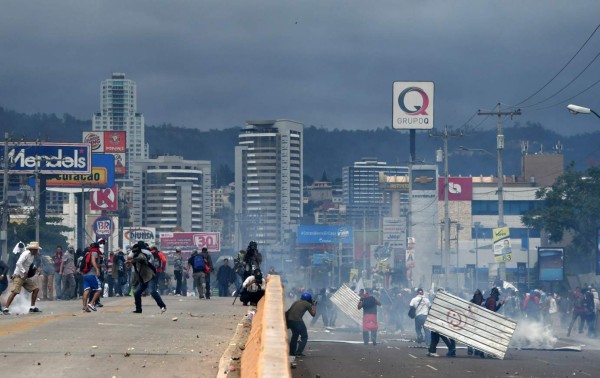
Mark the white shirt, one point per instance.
(23, 264)
(251, 286)
(423, 307)
(553, 309)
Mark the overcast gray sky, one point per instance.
(216, 64)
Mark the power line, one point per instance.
(570, 98)
(562, 69)
(564, 87)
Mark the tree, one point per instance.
(50, 232)
(570, 207)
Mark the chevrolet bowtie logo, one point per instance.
(423, 180)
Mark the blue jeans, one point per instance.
(419, 321)
(58, 285)
(138, 295)
(298, 328)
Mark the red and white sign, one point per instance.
(459, 188)
(190, 241)
(105, 199)
(115, 141)
(120, 168)
(95, 139)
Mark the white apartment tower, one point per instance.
(268, 181)
(118, 111)
(170, 193)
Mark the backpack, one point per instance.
(85, 265)
(157, 260)
(199, 263)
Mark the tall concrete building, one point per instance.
(172, 193)
(362, 194)
(268, 181)
(118, 112)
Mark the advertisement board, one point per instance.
(104, 199)
(324, 234)
(102, 175)
(459, 188)
(412, 106)
(132, 235)
(502, 246)
(48, 158)
(111, 143)
(551, 264)
(190, 240)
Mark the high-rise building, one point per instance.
(364, 198)
(268, 181)
(170, 193)
(118, 112)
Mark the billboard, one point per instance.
(101, 176)
(412, 106)
(48, 158)
(551, 264)
(502, 247)
(324, 235)
(190, 240)
(459, 188)
(109, 142)
(104, 199)
(132, 235)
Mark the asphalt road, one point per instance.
(326, 356)
(62, 341)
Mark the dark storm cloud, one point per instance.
(216, 64)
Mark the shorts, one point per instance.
(19, 282)
(90, 282)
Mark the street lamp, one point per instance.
(576, 109)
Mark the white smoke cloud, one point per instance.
(532, 334)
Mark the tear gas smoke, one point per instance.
(532, 334)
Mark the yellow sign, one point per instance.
(97, 179)
(502, 247)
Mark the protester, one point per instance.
(323, 309)
(121, 278)
(369, 305)
(91, 272)
(208, 270)
(57, 262)
(197, 263)
(178, 271)
(579, 310)
(14, 257)
(225, 276)
(160, 263)
(24, 270)
(422, 305)
(47, 268)
(3, 279)
(253, 288)
(140, 258)
(295, 323)
(67, 274)
(478, 301)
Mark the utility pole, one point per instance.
(500, 146)
(446, 249)
(4, 232)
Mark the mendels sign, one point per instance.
(48, 158)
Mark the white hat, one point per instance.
(33, 245)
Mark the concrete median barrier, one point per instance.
(266, 351)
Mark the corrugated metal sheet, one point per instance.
(347, 301)
(472, 325)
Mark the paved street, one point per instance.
(393, 357)
(62, 341)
